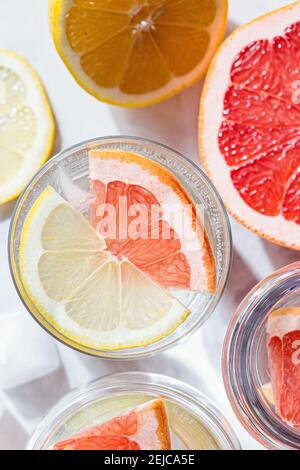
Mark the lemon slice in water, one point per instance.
(86, 293)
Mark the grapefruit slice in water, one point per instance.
(156, 228)
(142, 428)
(284, 360)
(249, 126)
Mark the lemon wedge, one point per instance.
(87, 294)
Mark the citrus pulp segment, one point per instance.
(26, 124)
(134, 53)
(284, 361)
(81, 289)
(249, 125)
(142, 428)
(169, 242)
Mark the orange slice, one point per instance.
(137, 52)
(284, 361)
(249, 126)
(168, 242)
(142, 428)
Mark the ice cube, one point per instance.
(9, 407)
(78, 197)
(12, 435)
(26, 351)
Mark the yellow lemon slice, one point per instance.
(82, 290)
(27, 126)
(137, 52)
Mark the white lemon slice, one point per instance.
(88, 295)
(27, 126)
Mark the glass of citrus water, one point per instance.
(194, 422)
(261, 360)
(120, 247)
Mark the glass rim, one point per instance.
(265, 427)
(126, 354)
(144, 382)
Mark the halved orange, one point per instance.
(142, 428)
(137, 52)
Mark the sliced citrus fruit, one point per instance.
(134, 52)
(249, 125)
(142, 428)
(284, 361)
(85, 292)
(26, 124)
(157, 227)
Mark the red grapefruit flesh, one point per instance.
(259, 101)
(150, 242)
(254, 120)
(143, 428)
(284, 362)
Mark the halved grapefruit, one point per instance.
(283, 331)
(168, 243)
(249, 125)
(142, 428)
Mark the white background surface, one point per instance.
(24, 28)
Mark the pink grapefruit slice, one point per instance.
(142, 428)
(283, 332)
(249, 125)
(158, 231)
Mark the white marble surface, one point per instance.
(24, 28)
